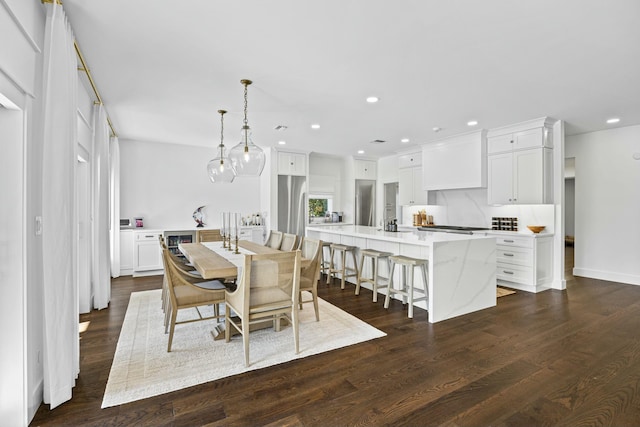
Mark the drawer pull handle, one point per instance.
(148, 236)
(508, 241)
(507, 272)
(507, 254)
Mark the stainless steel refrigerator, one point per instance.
(292, 192)
(365, 202)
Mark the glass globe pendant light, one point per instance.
(247, 158)
(220, 169)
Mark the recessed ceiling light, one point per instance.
(404, 140)
(282, 142)
(372, 99)
(472, 122)
(360, 151)
(315, 126)
(436, 129)
(613, 120)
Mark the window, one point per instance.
(319, 206)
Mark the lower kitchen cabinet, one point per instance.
(147, 256)
(524, 262)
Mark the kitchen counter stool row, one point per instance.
(407, 264)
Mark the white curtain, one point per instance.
(61, 353)
(101, 264)
(114, 206)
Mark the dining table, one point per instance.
(214, 261)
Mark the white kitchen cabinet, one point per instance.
(531, 138)
(410, 190)
(524, 262)
(521, 177)
(292, 163)
(456, 162)
(365, 169)
(147, 256)
(410, 160)
(252, 233)
(126, 252)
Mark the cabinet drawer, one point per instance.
(515, 273)
(147, 236)
(523, 242)
(508, 255)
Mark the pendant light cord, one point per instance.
(221, 135)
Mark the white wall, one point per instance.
(165, 183)
(607, 204)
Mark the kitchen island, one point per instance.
(462, 268)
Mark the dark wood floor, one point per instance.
(553, 358)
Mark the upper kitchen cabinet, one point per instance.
(292, 163)
(520, 163)
(410, 190)
(456, 162)
(365, 169)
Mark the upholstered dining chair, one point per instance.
(184, 293)
(274, 240)
(310, 249)
(288, 242)
(268, 291)
(208, 236)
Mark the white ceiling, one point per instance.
(164, 67)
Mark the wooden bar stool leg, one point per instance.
(344, 268)
(374, 269)
(410, 280)
(329, 272)
(390, 287)
(360, 275)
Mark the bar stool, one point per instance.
(375, 278)
(406, 279)
(324, 262)
(343, 269)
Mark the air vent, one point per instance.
(280, 127)
(378, 141)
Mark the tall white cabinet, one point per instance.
(410, 190)
(520, 163)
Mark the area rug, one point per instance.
(142, 367)
(502, 292)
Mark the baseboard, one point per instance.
(521, 287)
(610, 276)
(148, 273)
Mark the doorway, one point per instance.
(390, 202)
(13, 304)
(569, 216)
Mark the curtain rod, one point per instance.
(87, 72)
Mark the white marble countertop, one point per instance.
(415, 237)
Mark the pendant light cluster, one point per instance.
(245, 159)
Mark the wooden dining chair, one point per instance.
(274, 240)
(184, 292)
(208, 236)
(268, 291)
(288, 242)
(310, 249)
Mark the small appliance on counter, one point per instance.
(125, 223)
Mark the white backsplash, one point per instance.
(468, 207)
